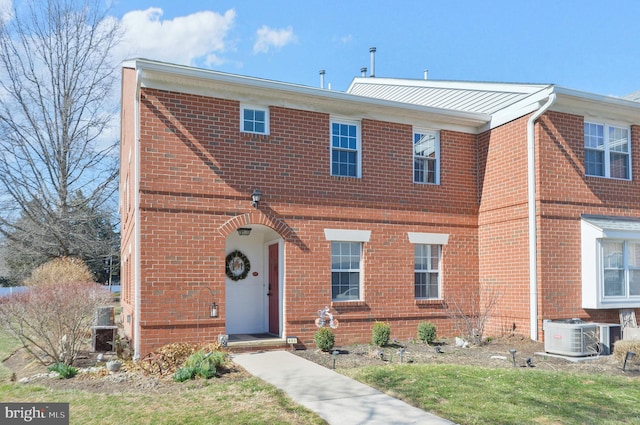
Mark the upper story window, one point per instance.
(426, 157)
(254, 119)
(607, 151)
(346, 152)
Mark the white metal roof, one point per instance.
(484, 98)
(179, 78)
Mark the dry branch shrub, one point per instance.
(622, 346)
(54, 317)
(60, 270)
(53, 321)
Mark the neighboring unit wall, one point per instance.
(198, 169)
(502, 227)
(565, 194)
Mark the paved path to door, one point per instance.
(336, 398)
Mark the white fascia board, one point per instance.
(259, 91)
(519, 109)
(597, 107)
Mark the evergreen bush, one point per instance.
(381, 333)
(324, 339)
(427, 332)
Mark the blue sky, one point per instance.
(585, 45)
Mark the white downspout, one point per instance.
(136, 220)
(533, 237)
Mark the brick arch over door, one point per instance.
(257, 217)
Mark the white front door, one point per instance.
(246, 298)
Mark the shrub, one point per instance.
(427, 332)
(324, 339)
(52, 321)
(184, 374)
(64, 370)
(60, 270)
(381, 333)
(202, 364)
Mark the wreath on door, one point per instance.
(237, 266)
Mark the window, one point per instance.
(345, 270)
(427, 271)
(345, 149)
(607, 151)
(621, 268)
(254, 120)
(610, 262)
(426, 156)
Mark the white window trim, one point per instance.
(243, 107)
(440, 239)
(607, 163)
(413, 152)
(360, 272)
(592, 277)
(337, 120)
(439, 247)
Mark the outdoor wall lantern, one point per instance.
(214, 310)
(244, 231)
(255, 198)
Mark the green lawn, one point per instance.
(250, 401)
(471, 395)
(247, 402)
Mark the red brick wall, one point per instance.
(502, 227)
(197, 171)
(565, 193)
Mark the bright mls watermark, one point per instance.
(34, 413)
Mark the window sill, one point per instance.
(348, 303)
(433, 301)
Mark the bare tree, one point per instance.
(56, 82)
(470, 314)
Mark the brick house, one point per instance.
(390, 202)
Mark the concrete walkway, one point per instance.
(336, 398)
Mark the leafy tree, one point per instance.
(58, 171)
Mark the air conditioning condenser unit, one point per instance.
(571, 337)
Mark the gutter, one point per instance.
(533, 237)
(136, 220)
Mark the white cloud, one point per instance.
(187, 40)
(269, 37)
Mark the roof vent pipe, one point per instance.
(426, 74)
(363, 71)
(322, 72)
(372, 51)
